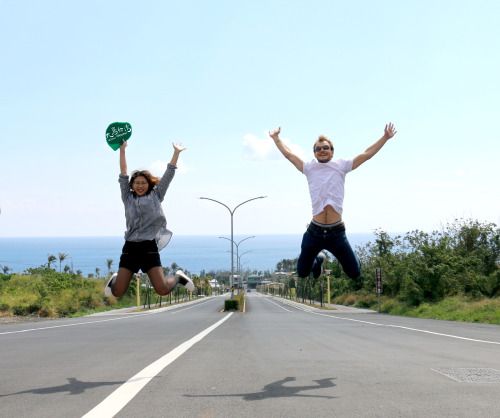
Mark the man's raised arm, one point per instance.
(389, 132)
(288, 154)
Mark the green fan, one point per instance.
(117, 133)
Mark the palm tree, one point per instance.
(50, 259)
(5, 269)
(62, 257)
(109, 262)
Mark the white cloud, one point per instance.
(255, 148)
(158, 167)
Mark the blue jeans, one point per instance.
(332, 239)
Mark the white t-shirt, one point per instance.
(326, 183)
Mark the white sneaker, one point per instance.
(107, 289)
(318, 264)
(184, 280)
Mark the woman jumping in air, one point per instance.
(147, 232)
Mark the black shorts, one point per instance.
(141, 255)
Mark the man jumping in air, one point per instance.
(326, 179)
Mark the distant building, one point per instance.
(214, 284)
(254, 280)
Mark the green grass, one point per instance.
(455, 308)
(458, 308)
(55, 295)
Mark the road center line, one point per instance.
(115, 402)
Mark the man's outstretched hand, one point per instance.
(389, 131)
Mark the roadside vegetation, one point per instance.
(450, 274)
(236, 302)
(45, 292)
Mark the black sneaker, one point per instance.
(108, 288)
(317, 269)
(184, 280)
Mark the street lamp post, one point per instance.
(237, 250)
(231, 212)
(238, 265)
(241, 255)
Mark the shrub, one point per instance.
(411, 293)
(350, 300)
(4, 277)
(240, 297)
(366, 301)
(231, 304)
(388, 306)
(66, 303)
(340, 299)
(48, 311)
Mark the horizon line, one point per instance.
(175, 235)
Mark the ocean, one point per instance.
(192, 253)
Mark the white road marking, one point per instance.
(445, 335)
(409, 329)
(182, 309)
(279, 306)
(67, 325)
(396, 326)
(115, 402)
(175, 309)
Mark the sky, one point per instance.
(216, 77)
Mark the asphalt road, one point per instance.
(278, 359)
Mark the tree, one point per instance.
(479, 241)
(286, 265)
(62, 257)
(109, 262)
(97, 271)
(50, 259)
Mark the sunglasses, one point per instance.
(322, 148)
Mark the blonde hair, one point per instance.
(323, 138)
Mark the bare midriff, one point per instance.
(328, 216)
